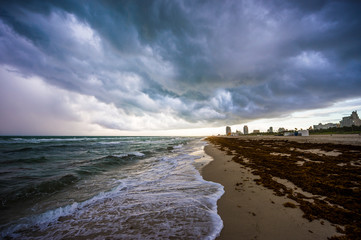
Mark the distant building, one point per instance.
(256, 131)
(351, 120)
(228, 131)
(288, 134)
(303, 133)
(245, 129)
(238, 133)
(270, 130)
(325, 126)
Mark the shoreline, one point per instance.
(252, 211)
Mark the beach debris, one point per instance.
(252, 213)
(329, 173)
(289, 205)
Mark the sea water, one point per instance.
(106, 188)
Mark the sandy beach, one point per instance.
(260, 206)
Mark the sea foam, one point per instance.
(156, 197)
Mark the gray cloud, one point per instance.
(199, 62)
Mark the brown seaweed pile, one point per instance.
(329, 173)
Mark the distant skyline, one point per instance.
(176, 67)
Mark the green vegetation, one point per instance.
(329, 131)
(263, 134)
(343, 130)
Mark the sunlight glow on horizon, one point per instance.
(171, 68)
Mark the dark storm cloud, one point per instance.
(200, 61)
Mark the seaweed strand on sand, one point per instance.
(329, 173)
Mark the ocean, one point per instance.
(106, 188)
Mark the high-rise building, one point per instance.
(351, 120)
(245, 129)
(228, 131)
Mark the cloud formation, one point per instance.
(178, 64)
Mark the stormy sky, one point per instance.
(83, 67)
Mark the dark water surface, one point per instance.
(99, 187)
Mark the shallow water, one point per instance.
(99, 187)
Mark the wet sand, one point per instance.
(253, 208)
